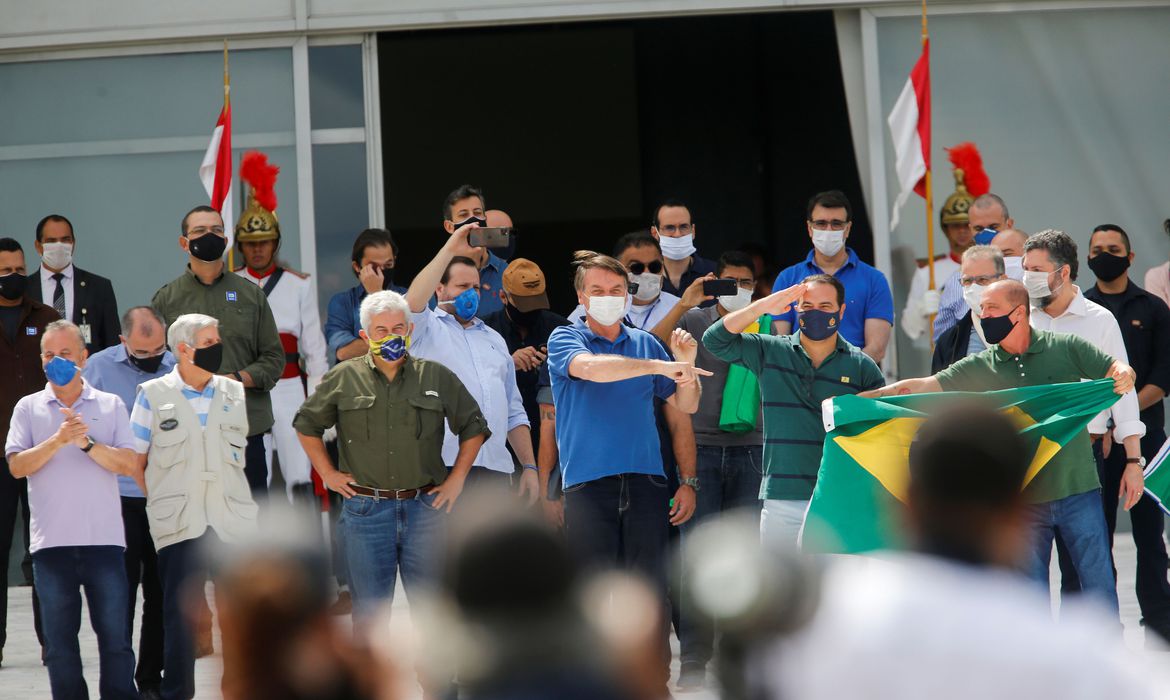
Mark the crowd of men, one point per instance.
(678, 390)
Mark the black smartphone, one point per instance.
(489, 236)
(720, 288)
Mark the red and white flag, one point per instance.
(216, 171)
(910, 128)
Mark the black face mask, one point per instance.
(209, 358)
(208, 247)
(12, 286)
(471, 220)
(1108, 267)
(522, 318)
(149, 365)
(997, 328)
(387, 277)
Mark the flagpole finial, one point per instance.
(925, 35)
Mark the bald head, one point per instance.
(988, 211)
(1003, 297)
(1010, 242)
(498, 217)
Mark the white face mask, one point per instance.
(679, 248)
(607, 310)
(973, 295)
(57, 255)
(828, 243)
(649, 286)
(737, 301)
(1013, 267)
(1037, 285)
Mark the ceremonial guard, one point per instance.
(293, 299)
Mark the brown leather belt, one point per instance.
(391, 494)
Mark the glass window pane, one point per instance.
(133, 97)
(335, 87)
(342, 211)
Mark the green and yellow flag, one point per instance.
(858, 502)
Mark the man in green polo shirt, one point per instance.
(252, 353)
(1065, 497)
(389, 408)
(796, 372)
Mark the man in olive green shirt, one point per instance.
(252, 353)
(389, 409)
(1065, 496)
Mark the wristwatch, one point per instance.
(89, 443)
(692, 481)
(1140, 461)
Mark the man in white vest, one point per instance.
(190, 431)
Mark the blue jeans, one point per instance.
(622, 522)
(385, 536)
(61, 573)
(1080, 521)
(729, 480)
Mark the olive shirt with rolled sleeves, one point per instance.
(247, 328)
(1051, 358)
(390, 433)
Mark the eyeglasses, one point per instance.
(217, 230)
(981, 280)
(637, 268)
(671, 229)
(830, 224)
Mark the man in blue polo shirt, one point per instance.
(870, 319)
(605, 377)
(141, 356)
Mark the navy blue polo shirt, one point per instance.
(867, 293)
(606, 428)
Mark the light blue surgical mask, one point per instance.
(466, 304)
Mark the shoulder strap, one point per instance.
(272, 280)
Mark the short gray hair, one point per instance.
(128, 318)
(986, 252)
(380, 303)
(62, 325)
(186, 327)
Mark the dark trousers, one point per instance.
(61, 573)
(256, 467)
(13, 505)
(729, 480)
(142, 568)
(622, 522)
(1153, 590)
(182, 576)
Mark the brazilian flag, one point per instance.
(858, 503)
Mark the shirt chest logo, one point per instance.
(30, 330)
(231, 296)
(169, 424)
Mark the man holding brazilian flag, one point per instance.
(1037, 378)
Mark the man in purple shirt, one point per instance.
(71, 441)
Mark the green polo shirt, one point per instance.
(792, 391)
(1051, 358)
(390, 433)
(251, 342)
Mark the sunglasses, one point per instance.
(637, 268)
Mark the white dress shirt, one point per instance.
(644, 316)
(1094, 323)
(479, 356)
(49, 287)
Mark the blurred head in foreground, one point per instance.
(967, 467)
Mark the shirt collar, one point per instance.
(208, 391)
(852, 259)
(47, 274)
(87, 392)
(1037, 343)
(583, 325)
(794, 338)
(222, 271)
(476, 322)
(1132, 291)
(495, 262)
(404, 371)
(260, 275)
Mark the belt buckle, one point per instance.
(398, 492)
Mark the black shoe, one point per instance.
(692, 677)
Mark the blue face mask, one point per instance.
(985, 236)
(60, 371)
(818, 325)
(466, 304)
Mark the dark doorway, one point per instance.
(579, 130)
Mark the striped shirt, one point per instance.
(792, 391)
(141, 418)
